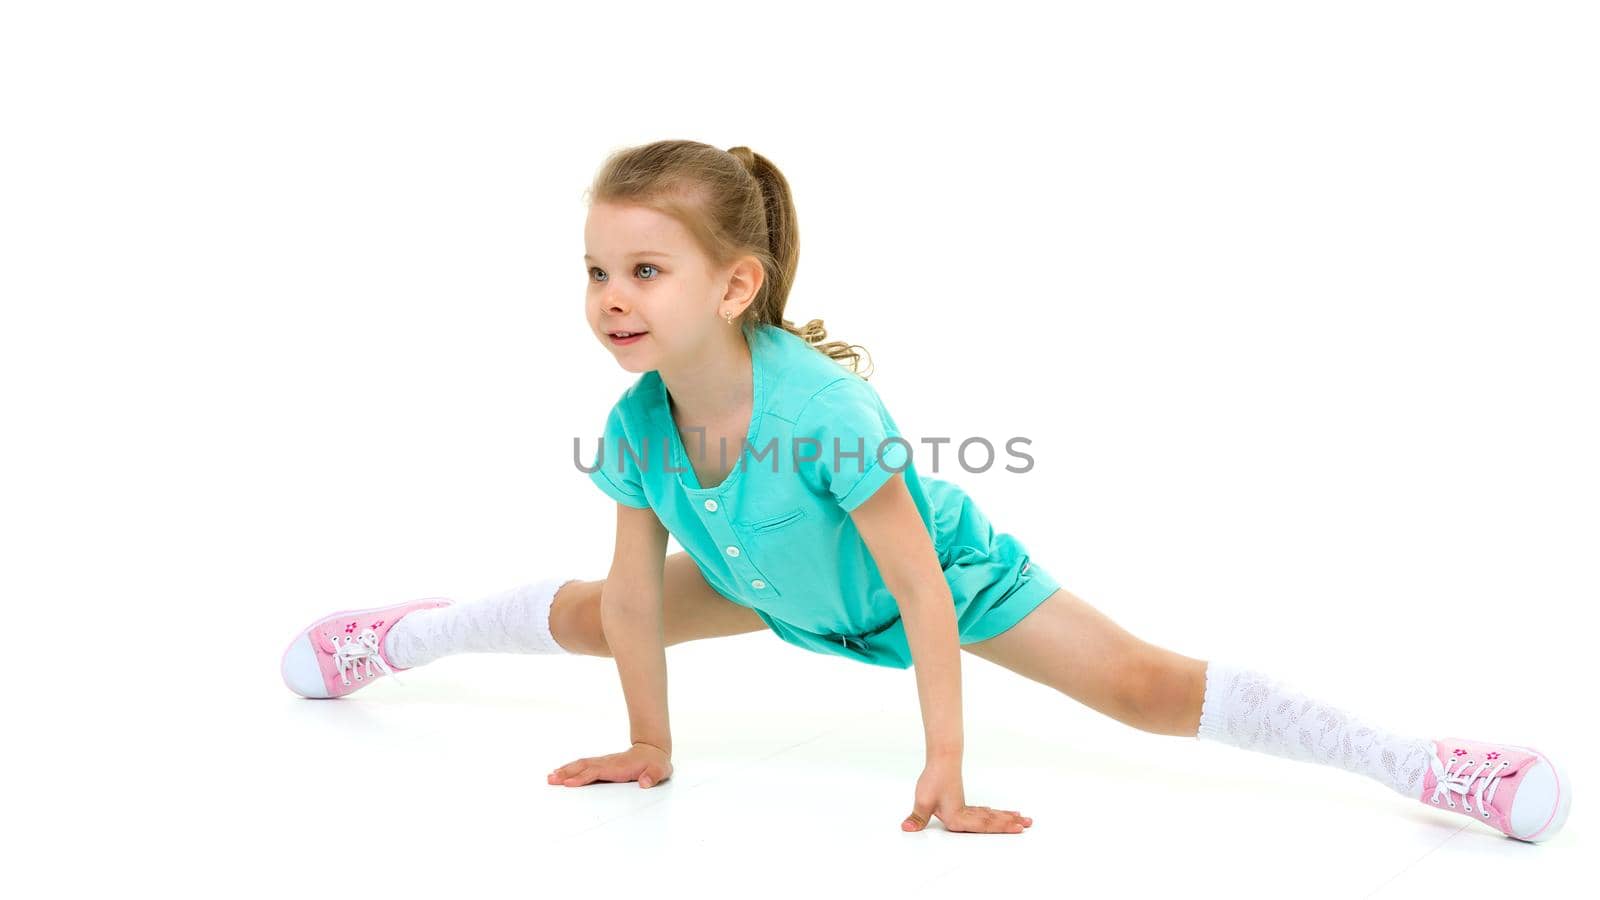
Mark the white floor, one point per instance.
(792, 778)
(1296, 314)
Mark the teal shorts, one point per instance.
(992, 580)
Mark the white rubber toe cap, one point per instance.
(301, 673)
(1545, 789)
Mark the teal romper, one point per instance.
(776, 536)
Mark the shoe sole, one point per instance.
(1558, 817)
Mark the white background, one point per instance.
(1297, 304)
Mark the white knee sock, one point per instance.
(513, 621)
(1253, 711)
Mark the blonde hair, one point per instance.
(734, 202)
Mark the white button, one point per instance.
(758, 584)
(733, 551)
(711, 505)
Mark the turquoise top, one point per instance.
(776, 535)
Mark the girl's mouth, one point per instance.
(623, 338)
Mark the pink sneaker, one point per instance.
(1518, 790)
(342, 653)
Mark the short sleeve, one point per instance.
(857, 447)
(616, 468)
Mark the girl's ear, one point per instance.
(744, 282)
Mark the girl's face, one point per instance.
(647, 276)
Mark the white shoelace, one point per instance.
(359, 651)
(1460, 781)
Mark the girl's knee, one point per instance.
(1162, 686)
(575, 619)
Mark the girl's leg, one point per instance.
(690, 611)
(1070, 646)
(561, 615)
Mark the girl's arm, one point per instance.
(630, 615)
(905, 556)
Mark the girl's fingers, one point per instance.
(589, 769)
(571, 767)
(1011, 813)
(988, 821)
(998, 822)
(1007, 820)
(971, 818)
(584, 776)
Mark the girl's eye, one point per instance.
(602, 275)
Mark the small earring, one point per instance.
(728, 316)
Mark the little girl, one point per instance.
(827, 535)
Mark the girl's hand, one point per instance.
(646, 763)
(939, 793)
